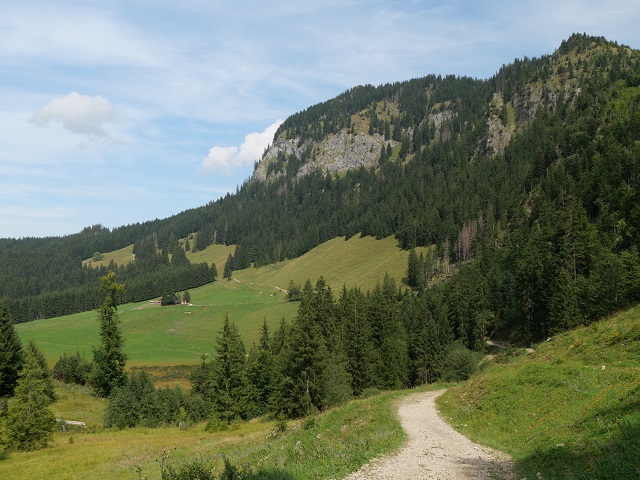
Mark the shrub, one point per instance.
(72, 369)
(460, 364)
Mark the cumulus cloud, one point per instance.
(225, 159)
(81, 114)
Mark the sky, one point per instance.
(123, 111)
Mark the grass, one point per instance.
(172, 335)
(212, 254)
(217, 254)
(179, 335)
(119, 257)
(356, 262)
(570, 410)
(328, 445)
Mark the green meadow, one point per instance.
(328, 445)
(181, 334)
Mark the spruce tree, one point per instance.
(109, 358)
(30, 423)
(44, 367)
(357, 340)
(228, 268)
(11, 353)
(303, 362)
(228, 373)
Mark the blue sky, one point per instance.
(117, 112)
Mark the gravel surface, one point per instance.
(434, 450)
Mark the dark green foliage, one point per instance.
(186, 296)
(229, 379)
(261, 376)
(32, 349)
(222, 380)
(357, 340)
(168, 298)
(303, 361)
(139, 403)
(460, 363)
(30, 423)
(228, 268)
(293, 292)
(73, 369)
(109, 359)
(389, 336)
(11, 353)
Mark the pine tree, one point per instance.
(228, 268)
(389, 334)
(109, 358)
(357, 339)
(303, 361)
(413, 270)
(260, 375)
(44, 367)
(29, 422)
(11, 353)
(228, 373)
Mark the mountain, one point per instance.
(525, 183)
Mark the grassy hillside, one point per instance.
(181, 334)
(166, 335)
(357, 262)
(569, 410)
(119, 257)
(212, 254)
(329, 445)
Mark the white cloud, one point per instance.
(225, 159)
(77, 113)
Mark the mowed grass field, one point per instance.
(180, 334)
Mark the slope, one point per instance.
(181, 334)
(568, 410)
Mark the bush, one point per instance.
(215, 424)
(72, 369)
(460, 364)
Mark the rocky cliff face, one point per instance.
(357, 135)
(335, 154)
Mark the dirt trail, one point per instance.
(434, 450)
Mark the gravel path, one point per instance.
(434, 450)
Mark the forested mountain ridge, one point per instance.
(349, 131)
(527, 180)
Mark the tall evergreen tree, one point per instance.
(33, 349)
(357, 339)
(228, 373)
(30, 422)
(109, 359)
(303, 361)
(11, 353)
(260, 375)
(228, 268)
